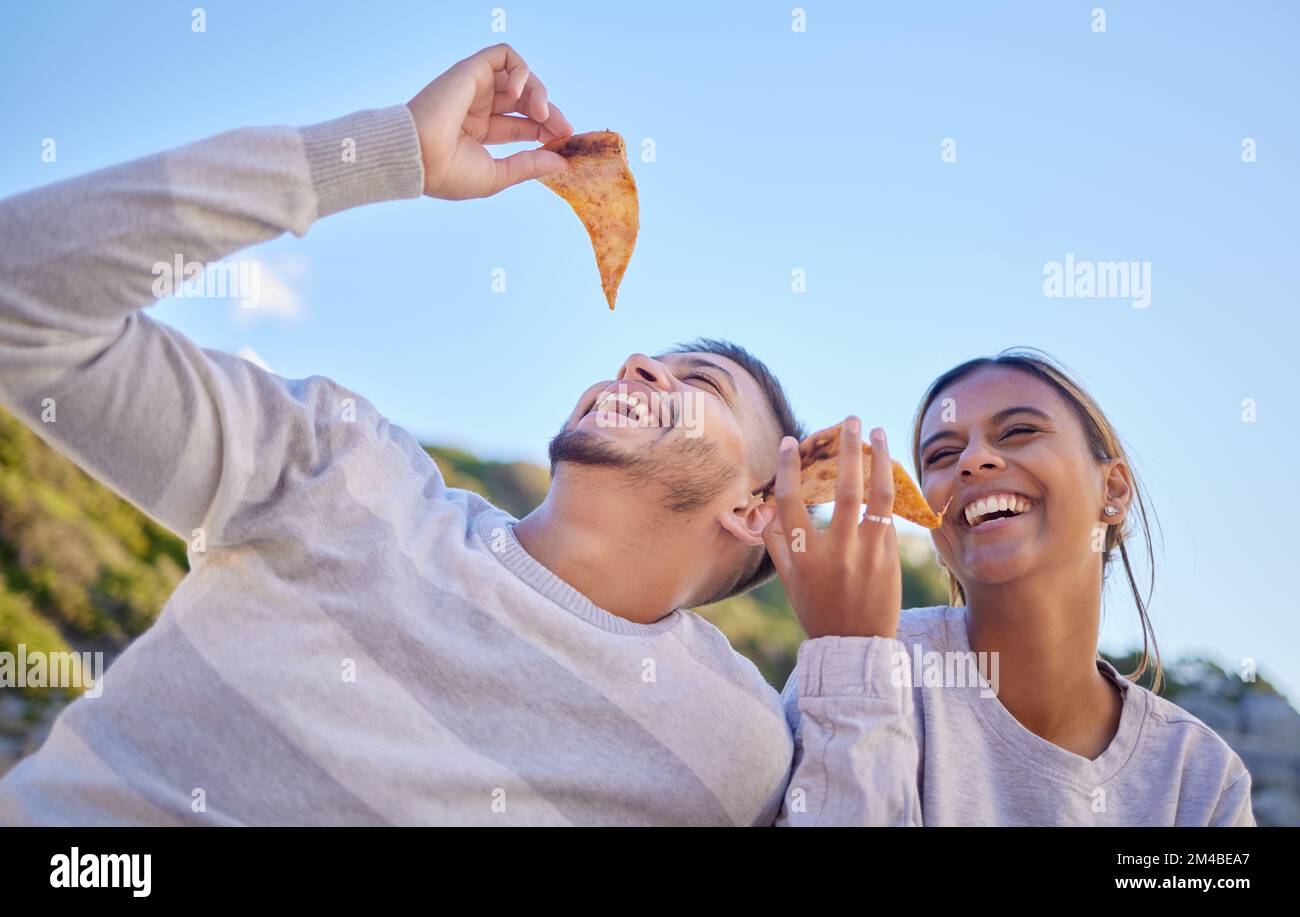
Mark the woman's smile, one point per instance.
(998, 523)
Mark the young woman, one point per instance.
(997, 709)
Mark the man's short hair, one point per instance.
(755, 573)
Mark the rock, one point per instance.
(1271, 771)
(11, 752)
(1270, 715)
(13, 706)
(1275, 808)
(1219, 714)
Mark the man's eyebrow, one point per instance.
(701, 362)
(997, 418)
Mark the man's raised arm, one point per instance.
(187, 434)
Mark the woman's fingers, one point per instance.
(848, 481)
(880, 495)
(777, 546)
(791, 513)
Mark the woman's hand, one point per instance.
(465, 108)
(845, 581)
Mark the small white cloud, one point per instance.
(252, 356)
(277, 295)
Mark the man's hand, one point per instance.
(845, 581)
(465, 108)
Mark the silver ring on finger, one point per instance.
(881, 520)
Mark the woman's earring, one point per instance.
(1111, 511)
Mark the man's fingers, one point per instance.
(504, 129)
(503, 59)
(524, 166)
(517, 89)
(508, 98)
(790, 509)
(880, 494)
(532, 101)
(506, 83)
(496, 71)
(557, 124)
(551, 118)
(848, 480)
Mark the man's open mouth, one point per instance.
(630, 406)
(635, 408)
(988, 508)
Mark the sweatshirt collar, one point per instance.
(1091, 772)
(496, 530)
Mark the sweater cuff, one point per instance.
(875, 667)
(362, 158)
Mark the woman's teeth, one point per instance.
(979, 511)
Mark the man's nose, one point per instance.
(645, 369)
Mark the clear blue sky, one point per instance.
(778, 150)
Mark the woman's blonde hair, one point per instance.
(1103, 442)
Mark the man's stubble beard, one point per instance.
(691, 471)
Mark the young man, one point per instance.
(357, 643)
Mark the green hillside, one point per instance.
(79, 568)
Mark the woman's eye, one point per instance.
(941, 454)
(704, 378)
(1020, 428)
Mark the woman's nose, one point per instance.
(977, 458)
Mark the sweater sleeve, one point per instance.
(855, 744)
(186, 434)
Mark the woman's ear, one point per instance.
(748, 520)
(1119, 492)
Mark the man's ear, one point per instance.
(748, 520)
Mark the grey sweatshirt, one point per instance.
(903, 731)
(356, 642)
